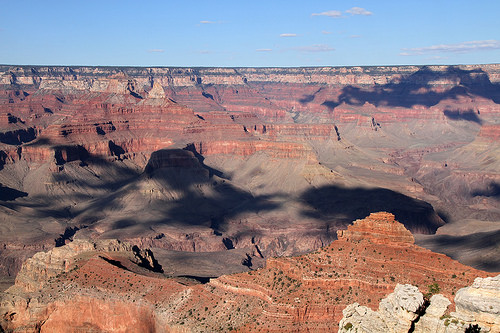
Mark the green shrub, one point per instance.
(348, 326)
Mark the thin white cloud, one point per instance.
(358, 11)
(330, 13)
(288, 35)
(436, 58)
(315, 48)
(324, 32)
(207, 22)
(355, 36)
(264, 50)
(464, 47)
(156, 50)
(205, 52)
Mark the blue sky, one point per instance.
(249, 33)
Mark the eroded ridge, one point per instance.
(302, 293)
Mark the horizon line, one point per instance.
(239, 67)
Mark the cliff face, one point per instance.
(405, 310)
(304, 293)
(274, 158)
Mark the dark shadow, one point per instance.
(330, 104)
(207, 95)
(247, 261)
(190, 147)
(200, 279)
(228, 243)
(443, 215)
(3, 158)
(13, 119)
(492, 190)
(68, 234)
(9, 194)
(468, 115)
(115, 149)
(136, 95)
(115, 263)
(336, 203)
(306, 99)
(416, 89)
(121, 224)
(64, 154)
(171, 158)
(95, 184)
(309, 98)
(99, 130)
(485, 242)
(473, 329)
(18, 137)
(101, 187)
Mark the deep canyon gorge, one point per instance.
(205, 199)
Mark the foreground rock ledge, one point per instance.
(89, 286)
(404, 310)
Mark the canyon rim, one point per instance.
(242, 183)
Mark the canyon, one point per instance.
(84, 284)
(223, 171)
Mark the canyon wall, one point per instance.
(273, 159)
(305, 293)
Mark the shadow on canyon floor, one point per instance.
(178, 189)
(9, 194)
(468, 115)
(492, 190)
(485, 243)
(415, 89)
(348, 204)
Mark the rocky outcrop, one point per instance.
(303, 293)
(378, 227)
(396, 313)
(432, 320)
(480, 303)
(43, 266)
(476, 306)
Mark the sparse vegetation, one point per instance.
(433, 289)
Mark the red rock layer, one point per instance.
(491, 132)
(303, 294)
(247, 148)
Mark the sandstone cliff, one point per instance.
(284, 156)
(306, 293)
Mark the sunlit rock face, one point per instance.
(404, 310)
(269, 161)
(90, 284)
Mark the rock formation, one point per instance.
(303, 293)
(263, 160)
(480, 303)
(404, 310)
(396, 313)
